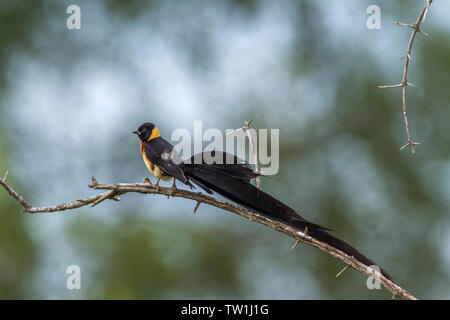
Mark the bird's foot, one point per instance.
(157, 184)
(174, 185)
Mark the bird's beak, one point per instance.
(135, 132)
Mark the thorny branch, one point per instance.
(115, 190)
(415, 28)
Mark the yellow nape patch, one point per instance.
(155, 134)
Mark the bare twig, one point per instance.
(246, 128)
(415, 29)
(113, 190)
(14, 194)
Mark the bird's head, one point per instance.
(147, 131)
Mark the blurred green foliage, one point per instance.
(140, 259)
(18, 252)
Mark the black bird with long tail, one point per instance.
(230, 178)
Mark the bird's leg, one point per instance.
(157, 184)
(174, 186)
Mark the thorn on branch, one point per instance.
(415, 27)
(343, 270)
(391, 86)
(235, 131)
(6, 175)
(295, 244)
(406, 56)
(404, 24)
(396, 85)
(422, 32)
(196, 206)
(412, 144)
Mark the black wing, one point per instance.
(161, 153)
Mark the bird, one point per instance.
(230, 177)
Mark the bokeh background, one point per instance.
(70, 98)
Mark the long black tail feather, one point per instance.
(232, 180)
